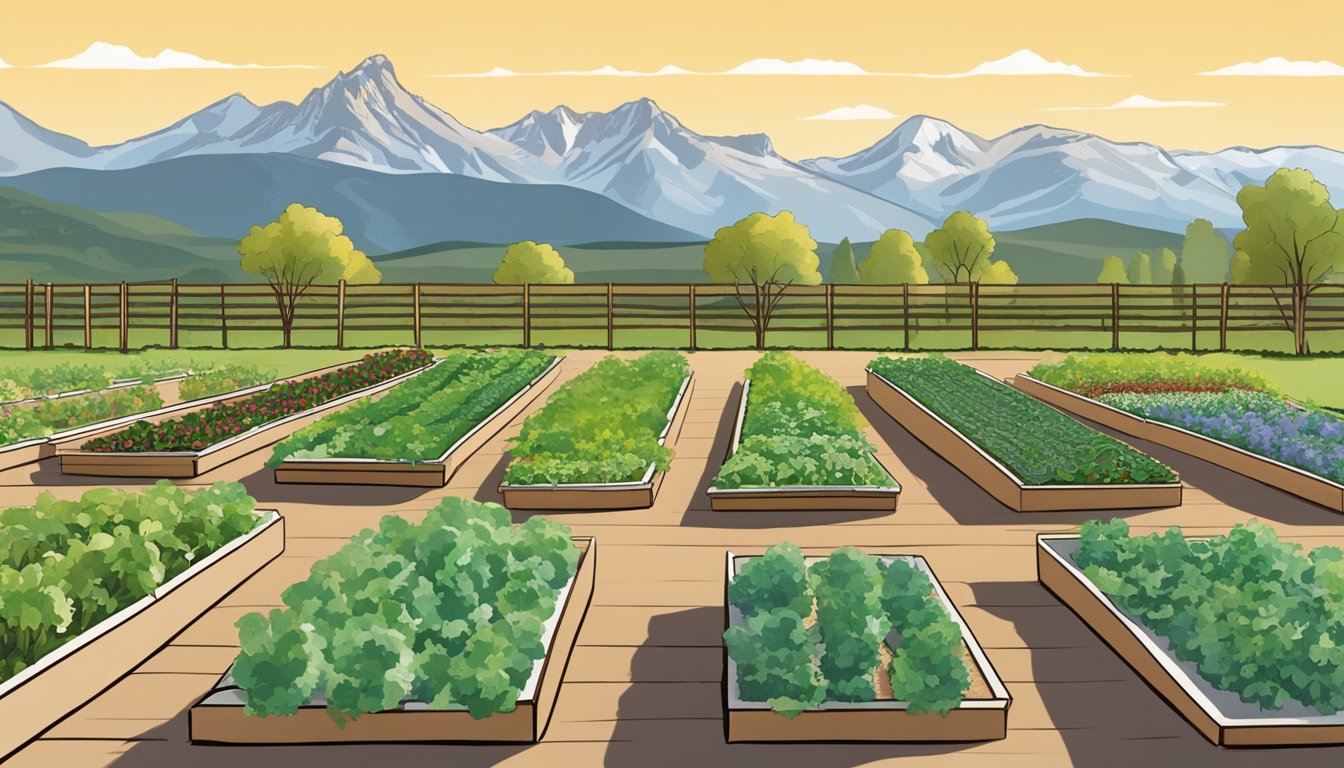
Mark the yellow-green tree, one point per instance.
(961, 250)
(303, 247)
(1204, 253)
(1140, 269)
(531, 262)
(893, 260)
(1164, 268)
(1113, 270)
(844, 268)
(1294, 238)
(762, 256)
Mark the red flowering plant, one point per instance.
(198, 430)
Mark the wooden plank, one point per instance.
(88, 316)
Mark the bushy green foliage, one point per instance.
(67, 565)
(801, 428)
(1255, 615)
(602, 426)
(1036, 442)
(222, 379)
(25, 382)
(857, 600)
(1093, 375)
(449, 611)
(849, 615)
(422, 418)
(48, 417)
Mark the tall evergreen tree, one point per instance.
(844, 269)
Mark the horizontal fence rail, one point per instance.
(133, 315)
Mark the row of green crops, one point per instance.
(1040, 445)
(1096, 375)
(801, 428)
(794, 664)
(43, 418)
(448, 611)
(19, 383)
(67, 565)
(198, 430)
(419, 420)
(602, 426)
(1226, 404)
(221, 380)
(1255, 615)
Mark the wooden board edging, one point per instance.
(78, 672)
(225, 723)
(996, 479)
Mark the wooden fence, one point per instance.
(172, 314)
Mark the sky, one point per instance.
(882, 53)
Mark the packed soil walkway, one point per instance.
(642, 688)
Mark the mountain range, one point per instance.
(402, 173)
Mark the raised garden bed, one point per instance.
(65, 678)
(1076, 467)
(485, 387)
(851, 648)
(1276, 474)
(802, 448)
(1231, 634)
(385, 697)
(582, 438)
(218, 427)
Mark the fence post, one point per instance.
(28, 314)
(1194, 317)
(975, 315)
(223, 320)
(415, 313)
(47, 300)
(830, 315)
(340, 314)
(172, 316)
(88, 316)
(1222, 319)
(527, 315)
(691, 324)
(124, 317)
(1115, 317)
(905, 313)
(611, 314)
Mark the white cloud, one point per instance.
(1140, 102)
(607, 71)
(1277, 66)
(4, 64)
(1023, 63)
(809, 67)
(102, 55)
(859, 112)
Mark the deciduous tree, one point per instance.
(763, 256)
(961, 251)
(530, 262)
(893, 261)
(1113, 270)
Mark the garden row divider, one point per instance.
(218, 718)
(872, 721)
(1179, 683)
(831, 498)
(638, 494)
(424, 474)
(64, 680)
(187, 464)
(995, 478)
(1298, 482)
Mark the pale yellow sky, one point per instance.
(1159, 45)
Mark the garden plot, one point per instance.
(1227, 417)
(420, 432)
(600, 442)
(357, 655)
(798, 444)
(189, 440)
(1024, 453)
(851, 647)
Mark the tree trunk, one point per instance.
(1300, 319)
(289, 330)
(760, 336)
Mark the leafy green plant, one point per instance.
(777, 661)
(801, 428)
(67, 565)
(1040, 445)
(422, 418)
(1254, 614)
(1093, 375)
(222, 379)
(26, 421)
(849, 614)
(926, 668)
(777, 579)
(602, 426)
(449, 612)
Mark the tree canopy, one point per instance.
(763, 256)
(1205, 253)
(961, 251)
(1113, 270)
(531, 262)
(844, 268)
(1140, 269)
(893, 260)
(1293, 235)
